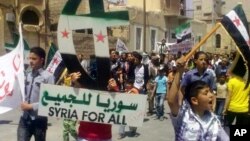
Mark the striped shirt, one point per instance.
(32, 87)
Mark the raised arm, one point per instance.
(74, 79)
(173, 97)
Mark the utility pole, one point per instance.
(213, 23)
(144, 26)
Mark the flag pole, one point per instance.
(62, 75)
(203, 40)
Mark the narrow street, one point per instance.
(152, 130)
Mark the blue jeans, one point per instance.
(28, 127)
(159, 103)
(220, 102)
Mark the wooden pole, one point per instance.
(203, 40)
(65, 71)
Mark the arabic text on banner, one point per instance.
(92, 105)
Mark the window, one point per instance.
(166, 34)
(199, 39)
(30, 17)
(198, 7)
(138, 38)
(168, 4)
(153, 38)
(173, 36)
(207, 14)
(217, 40)
(53, 27)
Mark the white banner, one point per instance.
(182, 47)
(162, 48)
(118, 2)
(12, 77)
(91, 105)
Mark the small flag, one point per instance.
(183, 32)
(120, 46)
(51, 53)
(236, 24)
(55, 63)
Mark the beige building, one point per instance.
(40, 19)
(40, 23)
(204, 10)
(32, 14)
(162, 17)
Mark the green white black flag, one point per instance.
(183, 32)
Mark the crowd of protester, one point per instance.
(153, 75)
(201, 90)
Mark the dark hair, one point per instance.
(137, 55)
(192, 89)
(197, 54)
(222, 74)
(38, 51)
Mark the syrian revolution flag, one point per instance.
(183, 32)
(98, 19)
(236, 24)
(55, 65)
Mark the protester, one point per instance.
(161, 82)
(112, 86)
(69, 125)
(90, 131)
(130, 67)
(193, 119)
(153, 65)
(222, 67)
(141, 74)
(237, 102)
(30, 123)
(200, 72)
(221, 95)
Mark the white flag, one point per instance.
(12, 77)
(120, 46)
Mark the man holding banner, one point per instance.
(30, 123)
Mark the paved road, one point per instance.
(152, 130)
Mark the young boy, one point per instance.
(161, 82)
(221, 95)
(31, 124)
(192, 120)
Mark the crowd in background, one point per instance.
(153, 74)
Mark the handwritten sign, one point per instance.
(91, 105)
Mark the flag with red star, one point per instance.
(55, 64)
(98, 19)
(236, 24)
